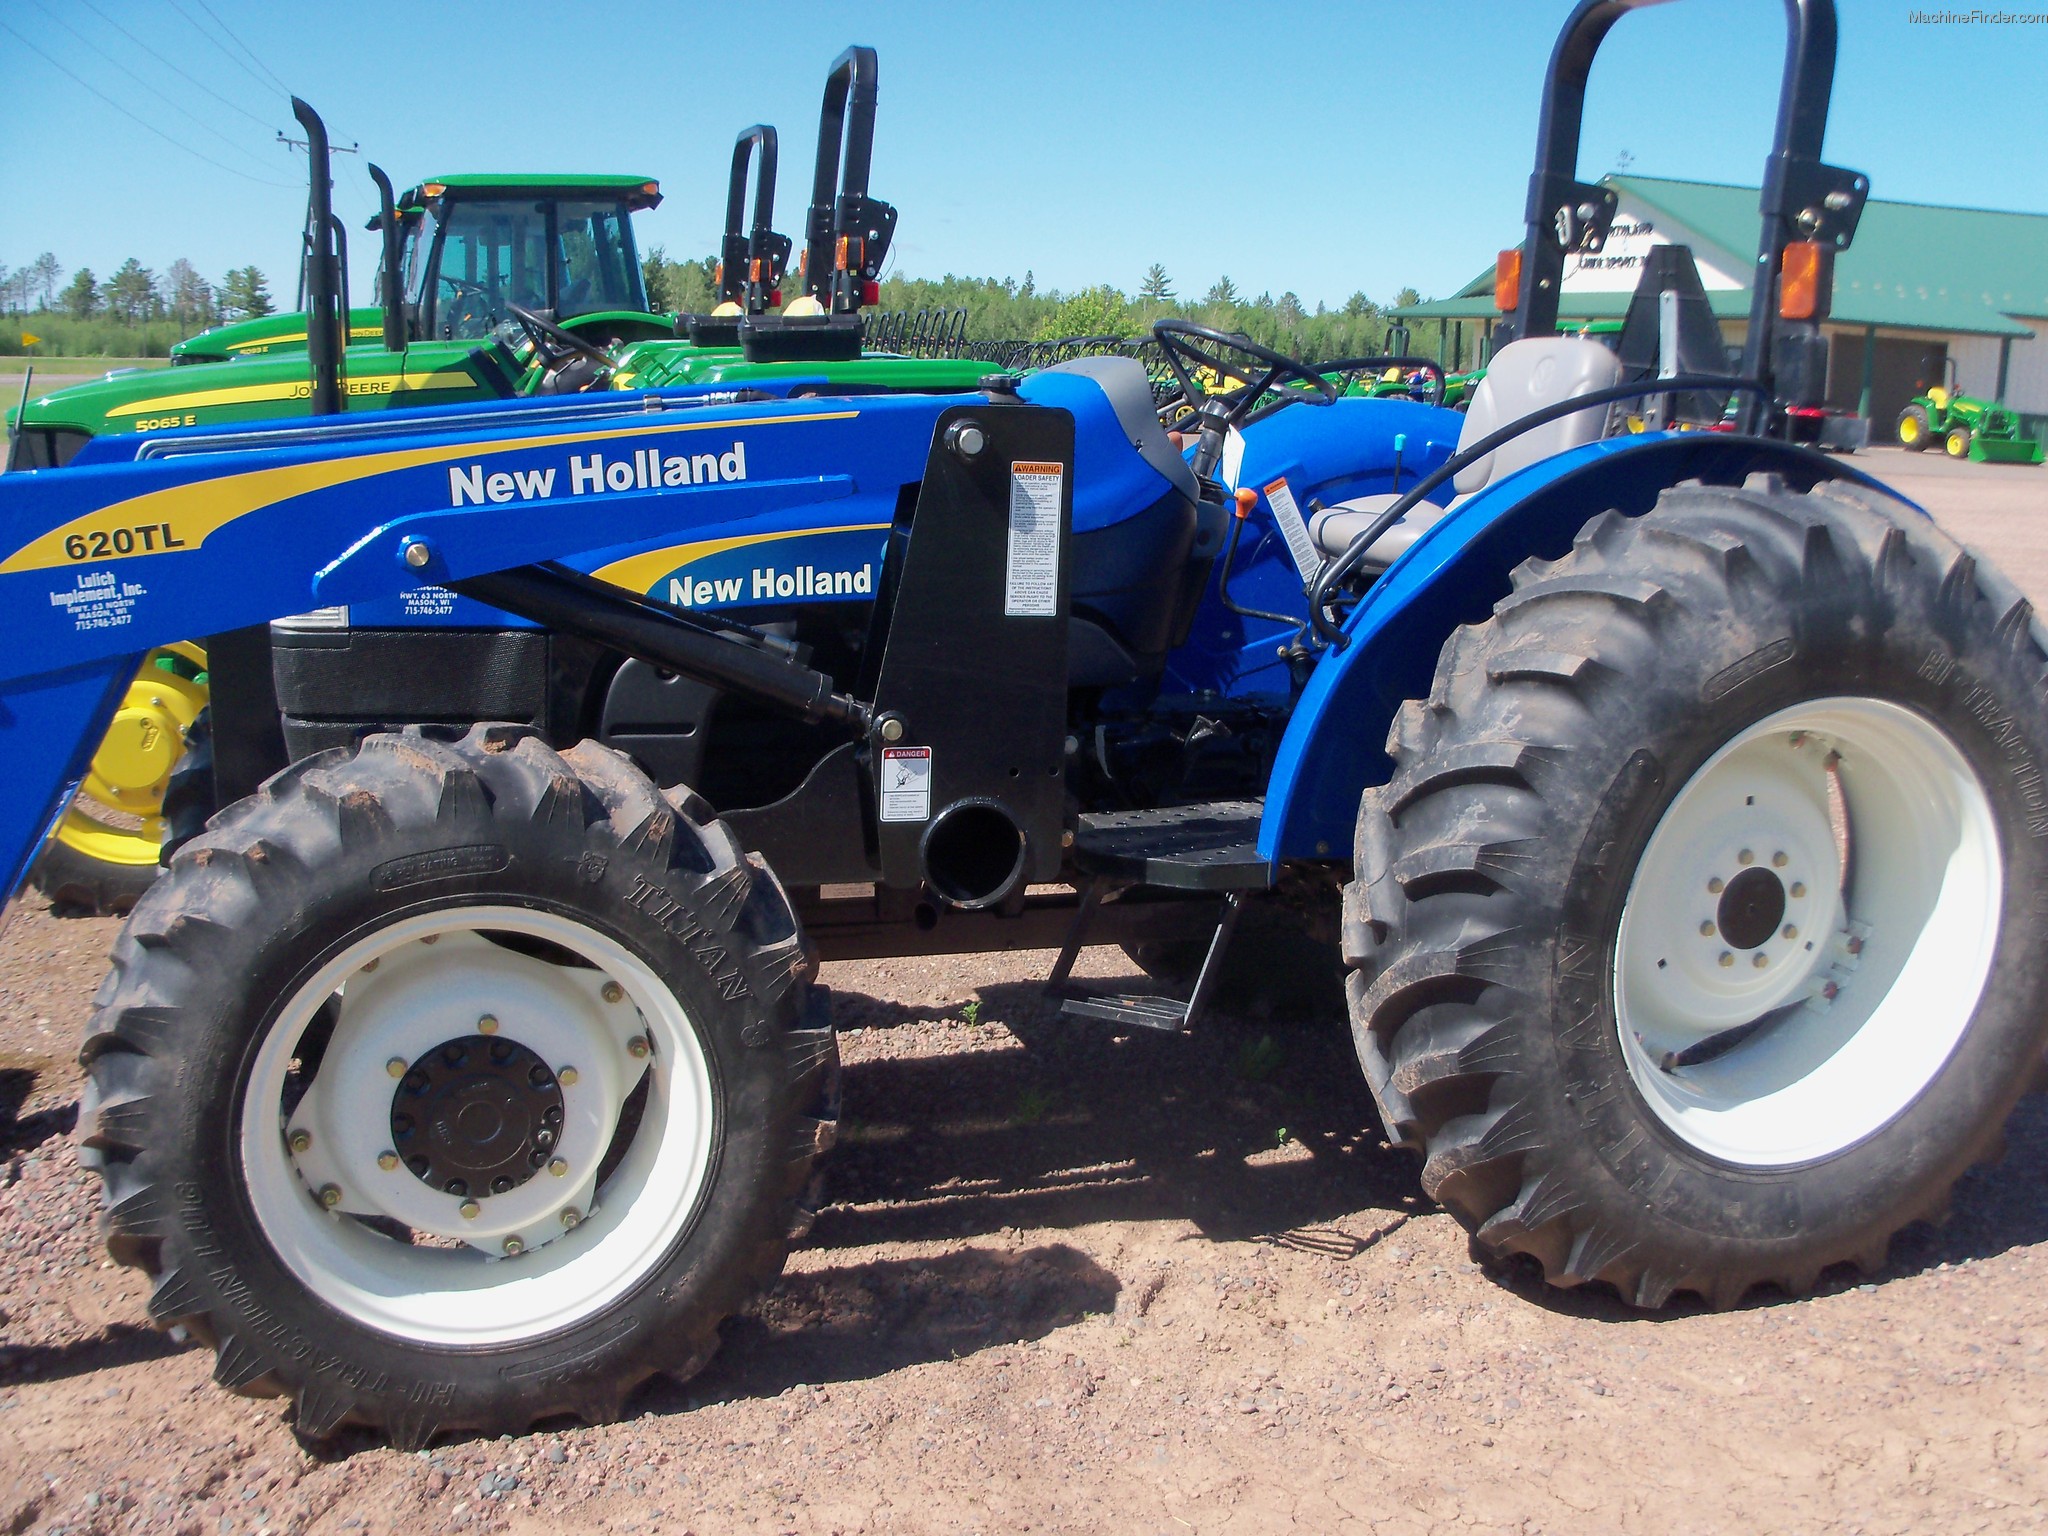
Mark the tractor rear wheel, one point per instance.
(1916, 430)
(1693, 938)
(1957, 443)
(454, 1084)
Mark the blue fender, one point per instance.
(1335, 743)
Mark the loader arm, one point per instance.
(198, 534)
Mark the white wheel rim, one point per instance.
(1868, 990)
(534, 1259)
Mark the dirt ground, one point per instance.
(1140, 1285)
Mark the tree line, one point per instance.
(1004, 309)
(135, 312)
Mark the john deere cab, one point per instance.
(464, 257)
(466, 244)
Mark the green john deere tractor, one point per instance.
(1966, 427)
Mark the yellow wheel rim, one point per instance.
(1909, 430)
(117, 815)
(1958, 444)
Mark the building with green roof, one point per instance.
(1921, 286)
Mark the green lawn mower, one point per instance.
(1966, 427)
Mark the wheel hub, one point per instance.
(477, 1116)
(1752, 906)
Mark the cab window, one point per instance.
(493, 254)
(596, 268)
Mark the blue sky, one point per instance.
(1320, 147)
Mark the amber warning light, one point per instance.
(1507, 281)
(1804, 280)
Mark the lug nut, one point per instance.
(1791, 930)
(1707, 930)
(567, 1076)
(558, 1167)
(1745, 857)
(1780, 860)
(396, 1066)
(1715, 886)
(487, 1025)
(1830, 991)
(514, 1247)
(388, 1161)
(1726, 958)
(430, 938)
(1760, 960)
(637, 1047)
(1855, 946)
(612, 992)
(571, 1216)
(330, 1195)
(300, 1140)
(470, 1210)
(371, 964)
(1798, 888)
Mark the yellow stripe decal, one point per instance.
(293, 389)
(639, 572)
(190, 514)
(278, 341)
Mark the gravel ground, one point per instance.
(1144, 1285)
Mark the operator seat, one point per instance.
(1524, 377)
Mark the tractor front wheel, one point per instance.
(1957, 443)
(1916, 429)
(1694, 936)
(454, 1084)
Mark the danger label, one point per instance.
(906, 783)
(1032, 589)
(1293, 528)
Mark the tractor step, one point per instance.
(1212, 847)
(1143, 1010)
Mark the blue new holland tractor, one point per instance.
(1673, 801)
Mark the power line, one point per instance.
(244, 47)
(193, 22)
(103, 96)
(173, 68)
(173, 105)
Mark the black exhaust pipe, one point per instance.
(323, 289)
(391, 290)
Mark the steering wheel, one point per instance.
(555, 349)
(1193, 350)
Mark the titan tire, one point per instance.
(1693, 938)
(1915, 429)
(455, 1084)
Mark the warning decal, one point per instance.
(1032, 589)
(1293, 529)
(906, 783)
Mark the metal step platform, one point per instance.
(1212, 847)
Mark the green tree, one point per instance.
(131, 292)
(187, 295)
(81, 296)
(1358, 304)
(1099, 311)
(46, 270)
(1223, 291)
(1290, 311)
(1157, 287)
(1406, 297)
(654, 273)
(245, 295)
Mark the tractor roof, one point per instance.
(638, 191)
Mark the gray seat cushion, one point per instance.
(1337, 525)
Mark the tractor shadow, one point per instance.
(1250, 1129)
(1244, 1128)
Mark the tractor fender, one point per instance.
(1335, 742)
